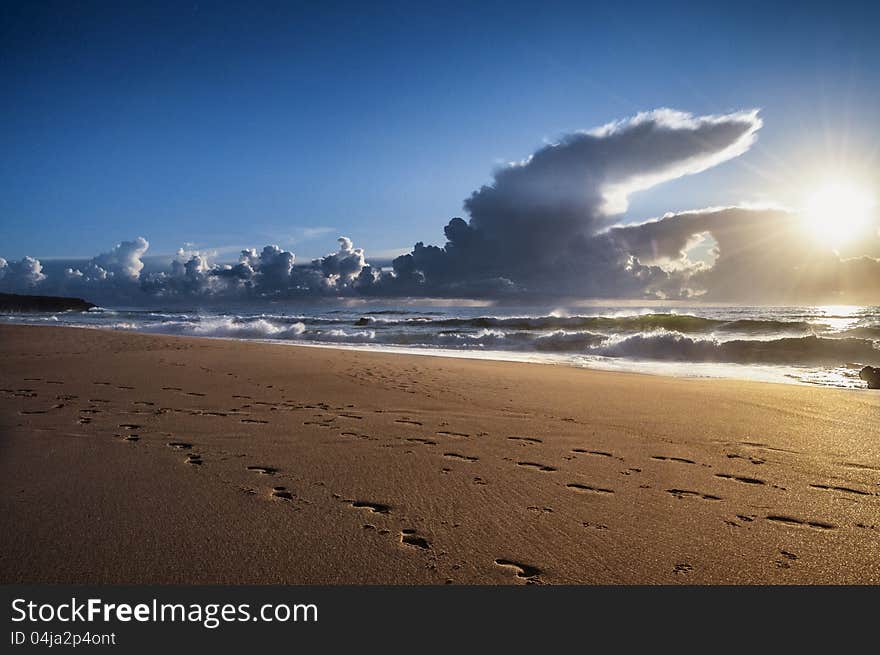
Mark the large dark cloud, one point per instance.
(542, 228)
(535, 229)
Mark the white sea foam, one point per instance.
(814, 345)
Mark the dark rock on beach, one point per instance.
(871, 375)
(11, 302)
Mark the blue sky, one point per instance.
(235, 125)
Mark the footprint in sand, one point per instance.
(521, 570)
(585, 488)
(861, 467)
(738, 478)
(536, 465)
(795, 522)
(375, 508)
(526, 439)
(408, 537)
(263, 470)
(466, 458)
(787, 559)
(846, 490)
(281, 492)
(349, 433)
(680, 460)
(684, 493)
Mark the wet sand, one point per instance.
(129, 458)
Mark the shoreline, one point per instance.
(163, 459)
(638, 367)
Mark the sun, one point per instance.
(838, 212)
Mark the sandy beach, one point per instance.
(131, 458)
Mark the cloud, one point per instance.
(122, 263)
(761, 255)
(537, 228)
(24, 274)
(271, 269)
(269, 273)
(341, 268)
(544, 228)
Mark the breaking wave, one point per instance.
(673, 346)
(837, 340)
(656, 344)
(684, 323)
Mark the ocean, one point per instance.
(803, 345)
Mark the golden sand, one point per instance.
(132, 458)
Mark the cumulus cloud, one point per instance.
(26, 273)
(122, 264)
(269, 270)
(342, 267)
(188, 277)
(537, 227)
(269, 273)
(545, 227)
